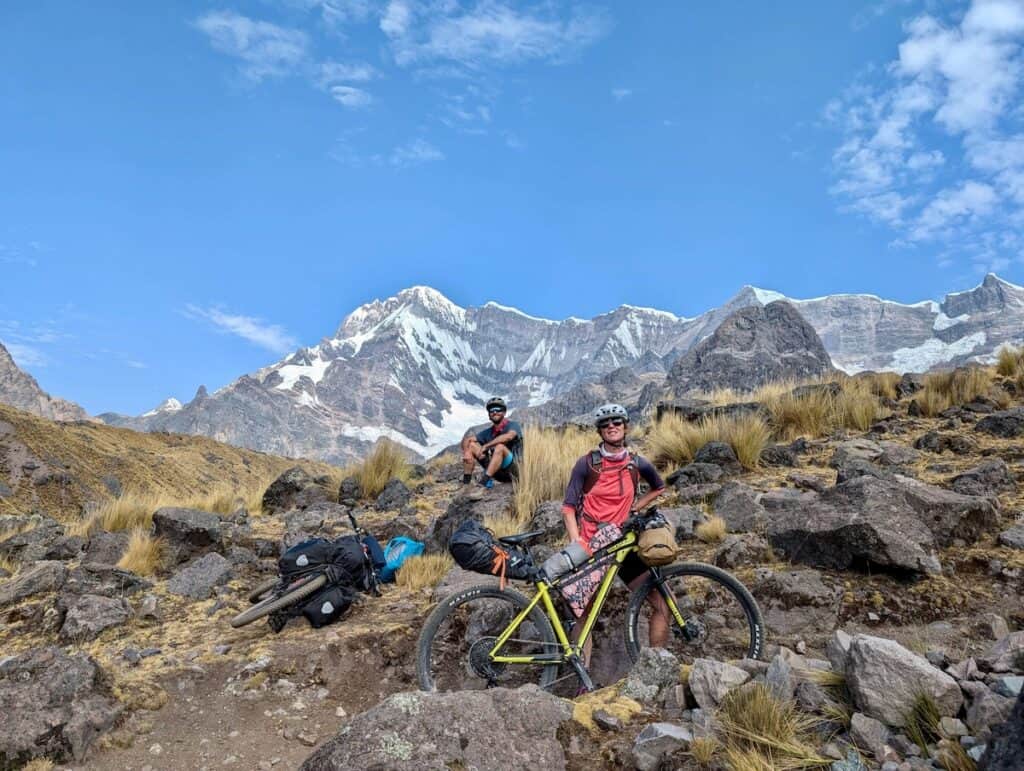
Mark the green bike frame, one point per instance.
(617, 551)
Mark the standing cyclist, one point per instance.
(601, 495)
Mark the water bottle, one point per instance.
(569, 558)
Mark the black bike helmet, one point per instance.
(496, 401)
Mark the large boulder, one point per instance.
(105, 548)
(1006, 747)
(54, 705)
(1013, 537)
(294, 489)
(753, 346)
(885, 679)
(711, 680)
(394, 496)
(318, 520)
(738, 505)
(495, 728)
(198, 578)
(90, 615)
(41, 577)
(104, 580)
(889, 523)
(990, 477)
(33, 544)
(719, 454)
(473, 504)
(795, 602)
(1007, 424)
(187, 532)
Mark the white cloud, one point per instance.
(933, 144)
(413, 153)
(350, 96)
(492, 32)
(338, 72)
(621, 93)
(266, 50)
(25, 355)
(270, 336)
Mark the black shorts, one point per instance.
(632, 567)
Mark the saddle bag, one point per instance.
(474, 548)
(328, 605)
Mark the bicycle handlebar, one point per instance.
(640, 519)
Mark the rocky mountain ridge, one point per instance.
(416, 367)
(19, 389)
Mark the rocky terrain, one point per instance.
(888, 564)
(416, 367)
(19, 389)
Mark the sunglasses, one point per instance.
(494, 410)
(613, 422)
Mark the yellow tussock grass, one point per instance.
(501, 525)
(712, 531)
(39, 764)
(1010, 361)
(144, 554)
(755, 723)
(423, 571)
(387, 461)
(9, 565)
(546, 465)
(703, 750)
(673, 441)
(947, 389)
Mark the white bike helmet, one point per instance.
(606, 411)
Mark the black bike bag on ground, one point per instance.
(328, 605)
(305, 556)
(473, 547)
(342, 558)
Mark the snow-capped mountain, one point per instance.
(417, 368)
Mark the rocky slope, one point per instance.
(19, 389)
(416, 367)
(885, 564)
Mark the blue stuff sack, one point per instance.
(398, 550)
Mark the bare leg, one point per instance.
(471, 452)
(659, 621)
(498, 456)
(577, 629)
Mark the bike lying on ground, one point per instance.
(488, 636)
(350, 564)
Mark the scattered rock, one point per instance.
(885, 678)
(655, 670)
(104, 580)
(780, 678)
(798, 601)
(33, 544)
(495, 502)
(1009, 686)
(106, 548)
(45, 576)
(1013, 538)
(1007, 424)
(54, 705)
(778, 455)
(737, 504)
(989, 478)
(719, 454)
(742, 549)
(1006, 747)
(657, 742)
(855, 449)
(187, 532)
(695, 474)
(869, 734)
(684, 518)
(1007, 655)
(711, 680)
(294, 489)
(958, 444)
(985, 708)
(393, 497)
(350, 491)
(319, 520)
(467, 729)
(199, 577)
(806, 482)
(90, 615)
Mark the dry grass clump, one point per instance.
(882, 384)
(546, 465)
(424, 570)
(9, 565)
(712, 531)
(129, 512)
(1010, 361)
(953, 757)
(144, 554)
(501, 525)
(820, 412)
(943, 390)
(387, 461)
(758, 727)
(922, 722)
(673, 440)
(38, 764)
(703, 750)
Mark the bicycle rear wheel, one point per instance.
(452, 654)
(296, 591)
(721, 618)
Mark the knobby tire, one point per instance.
(271, 604)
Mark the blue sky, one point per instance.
(188, 190)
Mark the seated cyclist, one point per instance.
(599, 499)
(497, 448)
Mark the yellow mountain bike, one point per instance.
(487, 636)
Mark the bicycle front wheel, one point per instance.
(456, 640)
(721, 619)
(296, 591)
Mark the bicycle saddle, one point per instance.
(515, 540)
